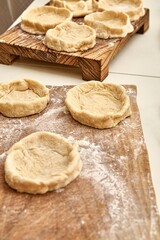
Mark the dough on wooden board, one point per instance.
(38, 20)
(23, 97)
(70, 37)
(109, 24)
(79, 8)
(98, 105)
(133, 8)
(42, 162)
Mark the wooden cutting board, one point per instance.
(113, 198)
(94, 63)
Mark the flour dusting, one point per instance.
(59, 190)
(109, 183)
(3, 156)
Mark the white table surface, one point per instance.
(138, 63)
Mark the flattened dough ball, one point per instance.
(22, 98)
(79, 8)
(133, 8)
(38, 20)
(98, 105)
(42, 162)
(109, 24)
(70, 37)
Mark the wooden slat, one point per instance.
(19, 43)
(113, 198)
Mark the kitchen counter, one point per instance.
(137, 64)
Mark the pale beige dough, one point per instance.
(42, 162)
(99, 105)
(70, 37)
(109, 24)
(133, 8)
(38, 20)
(23, 97)
(79, 8)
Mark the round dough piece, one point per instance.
(22, 98)
(79, 8)
(70, 37)
(98, 105)
(133, 8)
(38, 20)
(42, 162)
(109, 24)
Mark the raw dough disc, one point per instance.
(70, 37)
(38, 20)
(42, 162)
(109, 24)
(23, 97)
(99, 105)
(79, 8)
(133, 8)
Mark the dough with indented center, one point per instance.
(23, 97)
(109, 24)
(70, 37)
(42, 162)
(98, 105)
(79, 8)
(38, 20)
(133, 8)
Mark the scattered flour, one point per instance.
(59, 190)
(3, 156)
(110, 184)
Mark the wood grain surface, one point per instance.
(113, 197)
(94, 63)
